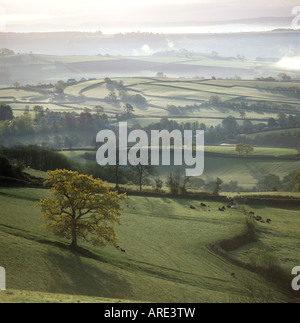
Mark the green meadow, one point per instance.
(167, 259)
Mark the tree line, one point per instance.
(37, 158)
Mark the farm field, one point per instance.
(167, 256)
(246, 171)
(162, 92)
(47, 68)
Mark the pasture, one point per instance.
(280, 239)
(159, 94)
(167, 257)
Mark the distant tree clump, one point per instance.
(173, 182)
(7, 169)
(270, 182)
(6, 112)
(218, 185)
(6, 52)
(177, 182)
(37, 158)
(244, 149)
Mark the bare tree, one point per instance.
(143, 172)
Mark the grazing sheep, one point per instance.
(192, 207)
(123, 250)
(269, 221)
(202, 204)
(258, 218)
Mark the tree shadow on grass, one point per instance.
(85, 275)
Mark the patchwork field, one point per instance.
(159, 93)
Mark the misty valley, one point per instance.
(149, 167)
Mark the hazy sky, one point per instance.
(74, 13)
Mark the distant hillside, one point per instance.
(251, 45)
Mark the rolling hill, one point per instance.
(167, 256)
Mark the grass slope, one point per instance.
(280, 239)
(166, 260)
(24, 296)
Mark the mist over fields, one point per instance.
(48, 57)
(251, 45)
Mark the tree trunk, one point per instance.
(73, 244)
(117, 176)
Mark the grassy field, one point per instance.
(166, 260)
(24, 296)
(246, 171)
(258, 151)
(273, 132)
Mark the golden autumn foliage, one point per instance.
(80, 207)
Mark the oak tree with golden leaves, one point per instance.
(80, 207)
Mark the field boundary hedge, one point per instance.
(276, 201)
